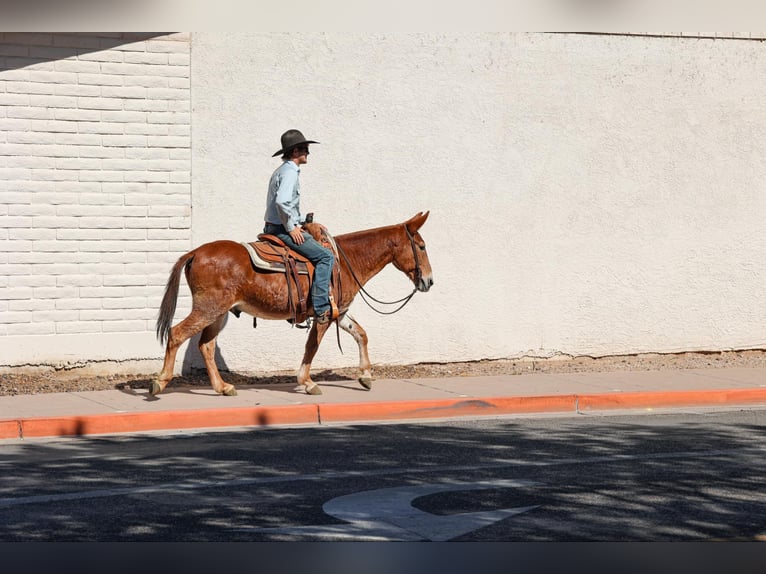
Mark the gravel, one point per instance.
(36, 381)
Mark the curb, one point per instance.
(317, 414)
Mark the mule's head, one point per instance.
(410, 255)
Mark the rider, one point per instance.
(283, 218)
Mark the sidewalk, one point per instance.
(126, 411)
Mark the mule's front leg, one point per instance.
(312, 345)
(348, 324)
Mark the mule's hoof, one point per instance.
(232, 392)
(366, 382)
(313, 390)
(155, 389)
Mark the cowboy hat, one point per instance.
(291, 139)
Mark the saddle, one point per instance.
(271, 254)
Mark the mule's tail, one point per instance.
(169, 300)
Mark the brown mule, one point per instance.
(221, 277)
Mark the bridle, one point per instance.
(403, 300)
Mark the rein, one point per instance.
(365, 294)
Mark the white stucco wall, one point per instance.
(589, 195)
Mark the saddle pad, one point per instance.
(260, 263)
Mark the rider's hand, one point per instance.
(297, 235)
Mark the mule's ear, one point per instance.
(417, 221)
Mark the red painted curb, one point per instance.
(394, 410)
(667, 399)
(381, 411)
(162, 420)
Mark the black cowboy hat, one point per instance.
(291, 139)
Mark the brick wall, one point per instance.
(95, 169)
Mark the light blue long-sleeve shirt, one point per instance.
(283, 202)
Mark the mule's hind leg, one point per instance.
(207, 349)
(193, 324)
(312, 345)
(348, 324)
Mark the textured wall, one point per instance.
(588, 194)
(95, 188)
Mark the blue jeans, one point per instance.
(321, 257)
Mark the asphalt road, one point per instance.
(660, 477)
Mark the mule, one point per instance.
(221, 278)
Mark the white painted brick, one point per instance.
(99, 79)
(179, 59)
(147, 176)
(53, 77)
(141, 105)
(18, 221)
(31, 281)
(147, 152)
(106, 197)
(77, 303)
(175, 82)
(49, 52)
(77, 234)
(169, 233)
(28, 87)
(168, 47)
(54, 222)
(89, 280)
(54, 175)
(19, 51)
(16, 246)
(123, 256)
(7, 99)
(100, 292)
(125, 140)
(32, 305)
(102, 223)
(125, 280)
(29, 113)
(123, 326)
(18, 269)
(123, 92)
(88, 103)
(16, 293)
(147, 81)
(75, 89)
(77, 114)
(168, 141)
(55, 246)
(53, 126)
(14, 124)
(119, 189)
(53, 316)
(28, 38)
(15, 75)
(103, 152)
(85, 175)
(31, 233)
(78, 163)
(146, 129)
(126, 234)
(101, 128)
(33, 162)
(53, 101)
(102, 56)
(77, 327)
(122, 116)
(124, 303)
(167, 93)
(20, 328)
(16, 317)
(168, 210)
(30, 137)
(88, 42)
(149, 58)
(32, 209)
(180, 177)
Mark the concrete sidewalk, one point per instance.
(126, 411)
